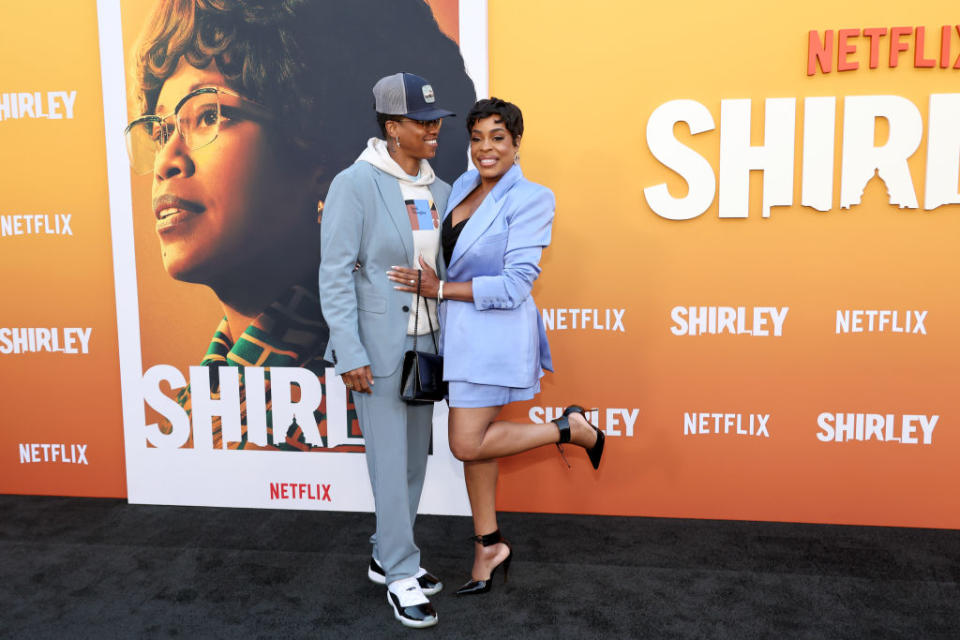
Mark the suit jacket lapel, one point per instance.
(485, 214)
(441, 209)
(397, 210)
(463, 190)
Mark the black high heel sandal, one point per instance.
(476, 587)
(563, 426)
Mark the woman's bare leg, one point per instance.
(478, 441)
(481, 477)
(474, 435)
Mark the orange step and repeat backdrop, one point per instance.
(767, 325)
(60, 428)
(750, 279)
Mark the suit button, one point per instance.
(406, 309)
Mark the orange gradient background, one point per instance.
(588, 78)
(599, 76)
(48, 167)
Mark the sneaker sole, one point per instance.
(413, 624)
(375, 577)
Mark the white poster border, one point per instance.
(225, 478)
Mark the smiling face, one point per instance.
(418, 140)
(492, 148)
(226, 205)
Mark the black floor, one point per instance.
(84, 568)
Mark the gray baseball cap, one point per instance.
(406, 94)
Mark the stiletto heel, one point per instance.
(476, 587)
(596, 451)
(563, 426)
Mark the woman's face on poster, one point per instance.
(228, 203)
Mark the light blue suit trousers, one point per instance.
(364, 231)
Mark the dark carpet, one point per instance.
(88, 568)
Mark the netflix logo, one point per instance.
(300, 491)
(882, 47)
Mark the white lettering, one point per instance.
(881, 321)
(683, 160)
(738, 157)
(861, 159)
(613, 419)
(206, 403)
(927, 425)
(285, 410)
(864, 427)
(694, 321)
(34, 224)
(53, 452)
(583, 319)
(548, 315)
(819, 122)
(30, 105)
(165, 406)
(943, 151)
(751, 424)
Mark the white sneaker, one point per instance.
(429, 583)
(410, 606)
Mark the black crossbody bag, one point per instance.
(421, 380)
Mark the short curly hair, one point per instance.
(311, 62)
(510, 114)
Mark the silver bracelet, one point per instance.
(440, 292)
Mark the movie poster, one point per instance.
(234, 403)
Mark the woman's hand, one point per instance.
(406, 279)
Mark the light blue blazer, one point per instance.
(498, 338)
(364, 231)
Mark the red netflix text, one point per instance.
(876, 46)
(300, 491)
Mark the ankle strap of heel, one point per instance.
(488, 539)
(563, 426)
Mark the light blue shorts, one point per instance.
(468, 395)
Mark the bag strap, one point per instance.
(416, 318)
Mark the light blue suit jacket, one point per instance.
(364, 231)
(499, 337)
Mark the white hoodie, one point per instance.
(424, 219)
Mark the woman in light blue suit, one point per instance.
(495, 348)
(383, 211)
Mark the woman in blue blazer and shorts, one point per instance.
(495, 348)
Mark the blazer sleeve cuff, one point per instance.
(349, 359)
(489, 293)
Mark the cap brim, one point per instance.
(429, 114)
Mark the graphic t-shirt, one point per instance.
(425, 222)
